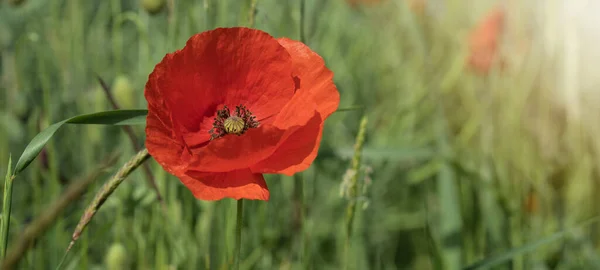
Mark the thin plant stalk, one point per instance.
(6, 208)
(252, 13)
(134, 141)
(238, 234)
(352, 187)
(298, 218)
(107, 189)
(302, 19)
(298, 198)
(46, 219)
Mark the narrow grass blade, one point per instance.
(351, 108)
(514, 252)
(412, 154)
(107, 189)
(6, 205)
(450, 222)
(46, 219)
(116, 117)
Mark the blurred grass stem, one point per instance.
(352, 188)
(351, 108)
(252, 13)
(47, 218)
(302, 19)
(299, 206)
(134, 141)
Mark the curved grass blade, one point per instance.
(351, 108)
(116, 117)
(6, 205)
(514, 252)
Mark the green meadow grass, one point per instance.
(448, 164)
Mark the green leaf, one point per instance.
(514, 252)
(116, 117)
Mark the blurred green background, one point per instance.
(456, 167)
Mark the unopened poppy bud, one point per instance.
(6, 36)
(20, 107)
(153, 6)
(98, 99)
(123, 91)
(16, 2)
(116, 257)
(95, 101)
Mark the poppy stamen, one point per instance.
(237, 124)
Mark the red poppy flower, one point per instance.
(233, 104)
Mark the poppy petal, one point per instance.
(225, 66)
(315, 78)
(233, 152)
(239, 184)
(297, 152)
(163, 140)
(162, 145)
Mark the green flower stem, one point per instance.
(238, 234)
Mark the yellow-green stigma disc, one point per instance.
(234, 125)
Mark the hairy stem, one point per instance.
(107, 189)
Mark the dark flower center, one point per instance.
(238, 123)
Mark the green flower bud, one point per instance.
(153, 6)
(116, 257)
(123, 92)
(98, 99)
(20, 106)
(16, 2)
(6, 35)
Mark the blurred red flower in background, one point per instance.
(484, 41)
(233, 104)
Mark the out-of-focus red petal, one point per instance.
(239, 184)
(315, 79)
(225, 66)
(297, 152)
(484, 41)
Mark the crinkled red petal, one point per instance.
(239, 184)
